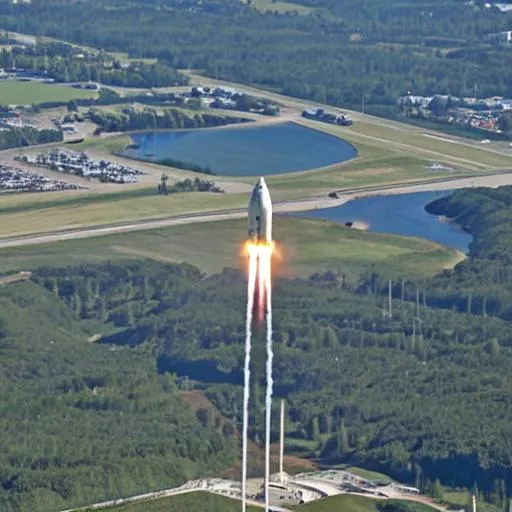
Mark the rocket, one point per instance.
(260, 213)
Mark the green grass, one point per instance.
(352, 503)
(14, 92)
(461, 498)
(345, 503)
(81, 210)
(367, 474)
(108, 144)
(306, 246)
(281, 6)
(192, 502)
(403, 139)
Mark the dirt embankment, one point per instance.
(256, 454)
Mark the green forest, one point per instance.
(27, 136)
(130, 120)
(61, 62)
(83, 422)
(342, 52)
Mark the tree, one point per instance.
(437, 490)
(314, 431)
(162, 187)
(72, 106)
(342, 439)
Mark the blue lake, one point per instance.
(246, 151)
(403, 214)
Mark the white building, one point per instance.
(500, 37)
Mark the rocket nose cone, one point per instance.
(261, 182)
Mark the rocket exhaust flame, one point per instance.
(260, 249)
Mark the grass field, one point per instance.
(351, 503)
(108, 144)
(280, 6)
(366, 473)
(460, 498)
(405, 140)
(14, 92)
(345, 503)
(306, 246)
(192, 502)
(78, 210)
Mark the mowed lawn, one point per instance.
(191, 502)
(304, 247)
(14, 92)
(79, 210)
(351, 503)
(345, 502)
(368, 474)
(407, 140)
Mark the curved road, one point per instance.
(488, 180)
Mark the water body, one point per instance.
(246, 151)
(402, 214)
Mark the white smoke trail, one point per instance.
(270, 356)
(251, 284)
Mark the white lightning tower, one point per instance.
(281, 445)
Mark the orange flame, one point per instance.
(262, 253)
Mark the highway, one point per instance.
(293, 205)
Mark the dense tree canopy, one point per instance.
(27, 136)
(81, 422)
(384, 391)
(341, 51)
(130, 119)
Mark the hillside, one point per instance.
(193, 502)
(83, 422)
(350, 503)
(362, 387)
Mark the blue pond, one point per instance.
(245, 151)
(400, 215)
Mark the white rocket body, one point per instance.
(260, 213)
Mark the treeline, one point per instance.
(83, 423)
(186, 166)
(187, 185)
(362, 386)
(341, 53)
(97, 67)
(28, 136)
(479, 285)
(148, 119)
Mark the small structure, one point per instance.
(500, 38)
